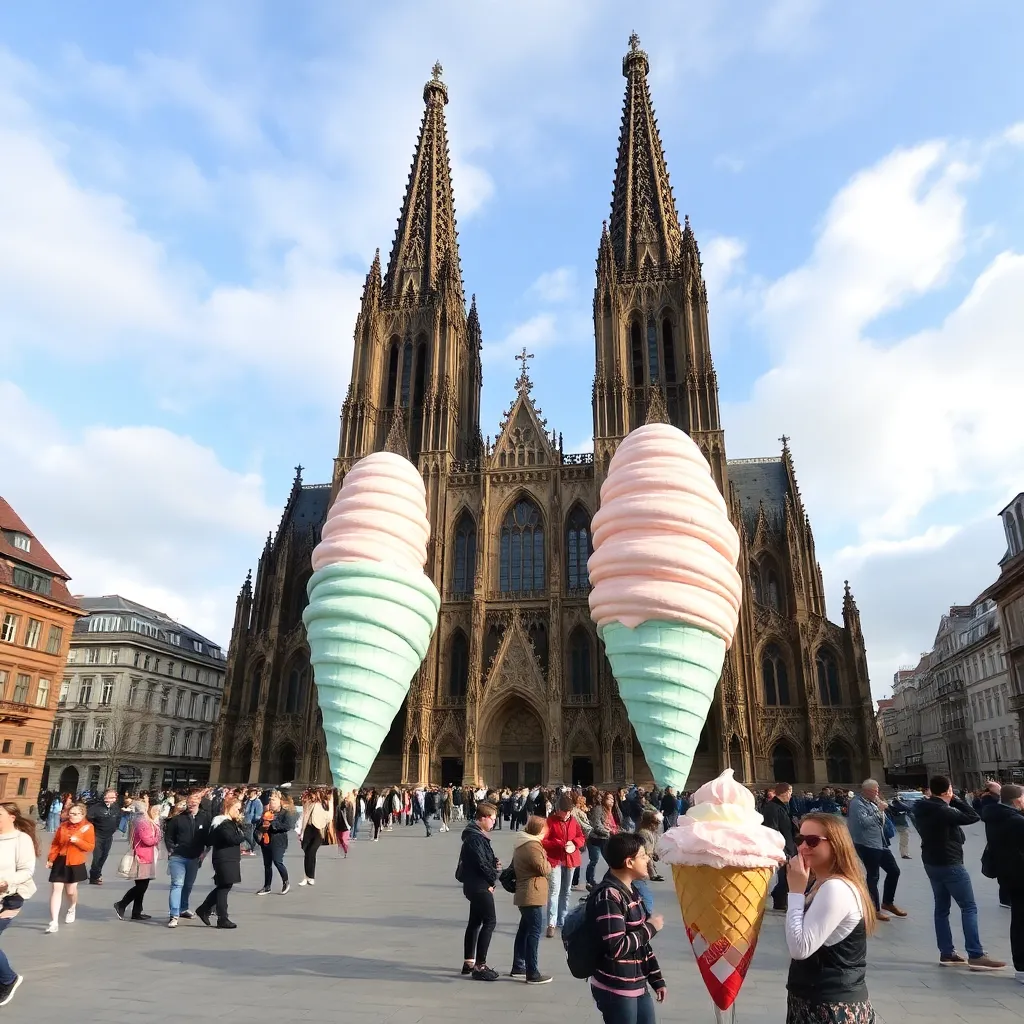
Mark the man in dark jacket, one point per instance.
(939, 820)
(777, 816)
(669, 809)
(185, 836)
(1004, 855)
(105, 816)
(478, 871)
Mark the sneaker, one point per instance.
(894, 910)
(204, 916)
(225, 923)
(311, 881)
(286, 889)
(51, 928)
(467, 968)
(142, 917)
(187, 915)
(1005, 906)
(551, 931)
(952, 960)
(485, 973)
(305, 881)
(517, 972)
(119, 910)
(172, 923)
(985, 963)
(7, 991)
(69, 917)
(264, 891)
(538, 979)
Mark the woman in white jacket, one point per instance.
(19, 849)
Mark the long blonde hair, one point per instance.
(845, 862)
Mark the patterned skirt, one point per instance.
(799, 1011)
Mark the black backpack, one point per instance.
(458, 869)
(582, 943)
(508, 879)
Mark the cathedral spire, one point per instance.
(397, 442)
(644, 222)
(427, 239)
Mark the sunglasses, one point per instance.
(812, 842)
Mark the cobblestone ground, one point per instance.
(379, 939)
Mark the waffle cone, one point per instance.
(722, 909)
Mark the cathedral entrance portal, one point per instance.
(582, 772)
(515, 752)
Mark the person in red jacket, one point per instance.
(72, 841)
(563, 843)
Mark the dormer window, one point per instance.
(22, 541)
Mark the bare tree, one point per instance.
(127, 738)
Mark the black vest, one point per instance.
(833, 974)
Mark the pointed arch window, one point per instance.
(774, 592)
(465, 554)
(775, 677)
(521, 555)
(838, 763)
(578, 548)
(653, 362)
(828, 678)
(783, 763)
(755, 583)
(392, 373)
(580, 679)
(255, 682)
(669, 351)
(406, 373)
(295, 680)
(458, 665)
(636, 352)
(421, 370)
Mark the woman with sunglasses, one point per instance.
(827, 927)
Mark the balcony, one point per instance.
(1017, 702)
(581, 698)
(15, 711)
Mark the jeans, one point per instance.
(273, 856)
(7, 975)
(312, 840)
(948, 883)
(780, 891)
(526, 954)
(616, 1009)
(480, 927)
(218, 896)
(876, 861)
(595, 847)
(643, 887)
(355, 826)
(426, 822)
(183, 876)
(100, 853)
(135, 895)
(559, 884)
(1016, 897)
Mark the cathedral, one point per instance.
(515, 689)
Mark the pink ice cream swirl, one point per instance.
(723, 830)
(664, 548)
(380, 515)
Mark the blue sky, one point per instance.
(190, 195)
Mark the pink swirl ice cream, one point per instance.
(380, 515)
(664, 548)
(723, 830)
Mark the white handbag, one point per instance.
(128, 866)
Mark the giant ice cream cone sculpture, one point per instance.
(723, 860)
(371, 611)
(666, 593)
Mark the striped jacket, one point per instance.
(628, 962)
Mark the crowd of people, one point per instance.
(601, 844)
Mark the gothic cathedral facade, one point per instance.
(516, 689)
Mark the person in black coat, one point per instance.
(777, 816)
(272, 835)
(226, 838)
(1004, 858)
(478, 871)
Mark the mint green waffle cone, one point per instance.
(667, 673)
(369, 626)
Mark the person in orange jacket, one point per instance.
(66, 860)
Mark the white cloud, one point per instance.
(554, 286)
(534, 334)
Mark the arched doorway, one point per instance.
(839, 763)
(736, 758)
(286, 763)
(515, 748)
(783, 763)
(68, 780)
(414, 760)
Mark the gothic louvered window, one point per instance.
(838, 763)
(636, 351)
(255, 681)
(776, 678)
(578, 548)
(652, 351)
(522, 550)
(828, 678)
(295, 681)
(668, 345)
(392, 374)
(465, 554)
(458, 665)
(421, 372)
(406, 373)
(774, 599)
(579, 663)
(783, 763)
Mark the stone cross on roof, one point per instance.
(523, 383)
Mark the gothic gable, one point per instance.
(523, 439)
(515, 670)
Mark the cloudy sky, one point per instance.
(190, 195)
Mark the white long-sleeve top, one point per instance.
(831, 916)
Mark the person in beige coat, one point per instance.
(532, 867)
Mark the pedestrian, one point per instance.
(1004, 861)
(898, 813)
(272, 833)
(375, 802)
(626, 963)
(532, 868)
(145, 842)
(66, 861)
(827, 927)
(446, 809)
(669, 809)
(318, 818)
(581, 813)
(939, 819)
(343, 815)
(225, 839)
(648, 833)
(563, 843)
(777, 816)
(105, 816)
(866, 821)
(251, 816)
(605, 824)
(185, 837)
(53, 813)
(990, 796)
(478, 870)
(19, 849)
(420, 803)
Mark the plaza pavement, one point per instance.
(380, 939)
